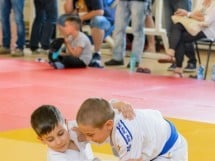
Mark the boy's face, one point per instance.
(58, 139)
(68, 28)
(98, 135)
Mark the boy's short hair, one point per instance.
(74, 19)
(45, 118)
(95, 112)
(61, 19)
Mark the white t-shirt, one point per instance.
(209, 18)
(142, 137)
(85, 153)
(83, 41)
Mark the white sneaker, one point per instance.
(43, 51)
(40, 51)
(37, 51)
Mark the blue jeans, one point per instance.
(126, 11)
(102, 23)
(46, 12)
(17, 6)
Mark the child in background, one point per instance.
(63, 143)
(147, 137)
(78, 47)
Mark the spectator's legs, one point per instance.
(51, 11)
(138, 12)
(0, 22)
(149, 23)
(39, 20)
(168, 12)
(99, 25)
(122, 18)
(180, 48)
(6, 34)
(18, 6)
(170, 7)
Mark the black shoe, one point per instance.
(136, 65)
(114, 62)
(96, 56)
(190, 68)
(96, 64)
(172, 67)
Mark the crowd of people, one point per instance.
(104, 20)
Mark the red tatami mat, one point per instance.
(26, 85)
(10, 65)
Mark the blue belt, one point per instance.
(172, 139)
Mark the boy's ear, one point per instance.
(109, 124)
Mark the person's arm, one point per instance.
(75, 51)
(95, 8)
(69, 6)
(123, 107)
(209, 17)
(197, 15)
(91, 14)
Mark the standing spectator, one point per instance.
(99, 16)
(46, 12)
(170, 8)
(6, 7)
(126, 10)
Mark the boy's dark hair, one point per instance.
(45, 118)
(74, 19)
(95, 112)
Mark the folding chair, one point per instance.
(209, 42)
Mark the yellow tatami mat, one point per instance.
(22, 145)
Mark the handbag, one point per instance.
(192, 26)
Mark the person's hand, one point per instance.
(198, 13)
(181, 12)
(81, 137)
(61, 30)
(125, 108)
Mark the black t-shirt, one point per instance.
(99, 4)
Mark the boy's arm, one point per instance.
(128, 141)
(74, 51)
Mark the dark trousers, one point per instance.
(179, 39)
(170, 7)
(46, 13)
(68, 61)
